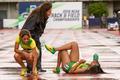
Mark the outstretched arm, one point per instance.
(35, 55)
(58, 63)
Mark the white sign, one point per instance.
(10, 23)
(66, 15)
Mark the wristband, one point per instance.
(57, 69)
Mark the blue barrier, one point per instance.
(112, 20)
(94, 22)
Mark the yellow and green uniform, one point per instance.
(68, 66)
(29, 46)
(83, 66)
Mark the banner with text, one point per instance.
(66, 15)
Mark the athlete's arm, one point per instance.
(35, 55)
(16, 49)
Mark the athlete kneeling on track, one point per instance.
(29, 51)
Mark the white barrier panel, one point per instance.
(10, 23)
(20, 24)
(66, 15)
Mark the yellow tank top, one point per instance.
(30, 45)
